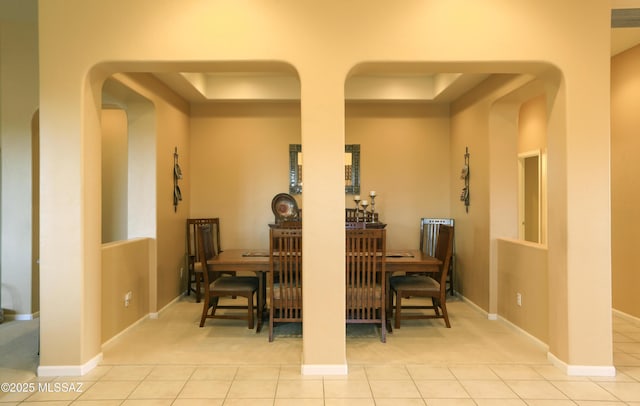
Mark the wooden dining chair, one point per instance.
(350, 215)
(191, 252)
(285, 277)
(365, 259)
(355, 215)
(289, 224)
(217, 284)
(429, 228)
(434, 287)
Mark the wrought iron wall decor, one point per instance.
(177, 175)
(464, 175)
(351, 169)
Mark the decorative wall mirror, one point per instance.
(351, 168)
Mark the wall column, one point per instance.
(322, 113)
(579, 216)
(70, 266)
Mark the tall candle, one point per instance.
(372, 193)
(357, 197)
(364, 203)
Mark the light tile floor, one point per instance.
(171, 361)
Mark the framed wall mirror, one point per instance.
(351, 168)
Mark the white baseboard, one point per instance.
(533, 338)
(625, 316)
(490, 316)
(156, 315)
(324, 369)
(123, 332)
(21, 316)
(581, 370)
(152, 316)
(69, 370)
(570, 370)
(494, 316)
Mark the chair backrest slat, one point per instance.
(285, 279)
(444, 252)
(192, 225)
(365, 267)
(202, 233)
(429, 228)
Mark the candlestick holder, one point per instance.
(364, 204)
(356, 199)
(373, 208)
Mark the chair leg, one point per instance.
(189, 274)
(271, 323)
(398, 306)
(434, 303)
(445, 315)
(205, 310)
(214, 305)
(250, 307)
(197, 287)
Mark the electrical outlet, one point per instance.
(127, 299)
(519, 299)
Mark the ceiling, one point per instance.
(624, 38)
(267, 81)
(407, 82)
(270, 81)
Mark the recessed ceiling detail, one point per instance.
(201, 87)
(439, 87)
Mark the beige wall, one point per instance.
(522, 268)
(404, 154)
(115, 153)
(532, 125)
(532, 137)
(171, 114)
(625, 97)
(296, 32)
(125, 268)
(510, 94)
(490, 158)
(239, 160)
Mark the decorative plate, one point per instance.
(284, 207)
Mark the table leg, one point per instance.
(198, 289)
(389, 302)
(262, 295)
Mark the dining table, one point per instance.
(257, 261)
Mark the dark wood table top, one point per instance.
(409, 260)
